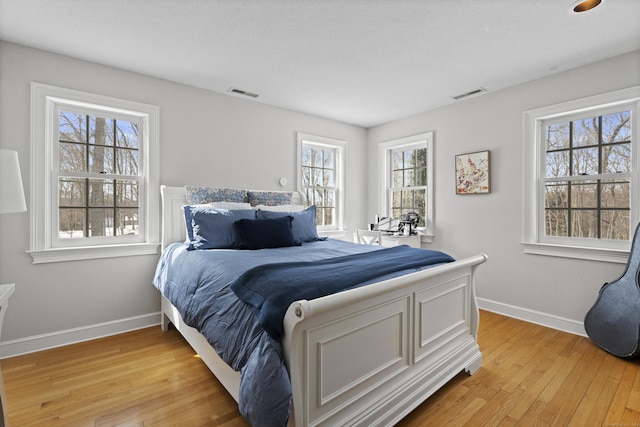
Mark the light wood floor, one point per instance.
(531, 376)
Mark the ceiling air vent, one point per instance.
(471, 93)
(242, 92)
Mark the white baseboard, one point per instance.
(532, 316)
(70, 336)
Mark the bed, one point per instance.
(367, 355)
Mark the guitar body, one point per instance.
(613, 322)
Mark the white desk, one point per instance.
(391, 240)
(5, 293)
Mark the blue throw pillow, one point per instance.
(210, 228)
(303, 226)
(265, 233)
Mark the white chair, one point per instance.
(369, 237)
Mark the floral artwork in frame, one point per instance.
(472, 173)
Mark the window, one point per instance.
(578, 199)
(94, 176)
(407, 168)
(321, 171)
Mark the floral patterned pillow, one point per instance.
(269, 198)
(201, 195)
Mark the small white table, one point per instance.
(392, 240)
(5, 293)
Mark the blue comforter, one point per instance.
(198, 284)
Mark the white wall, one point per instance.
(209, 138)
(554, 291)
(206, 139)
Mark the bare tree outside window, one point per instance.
(587, 183)
(408, 182)
(319, 181)
(98, 189)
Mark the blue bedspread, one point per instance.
(271, 288)
(198, 284)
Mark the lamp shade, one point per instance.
(11, 191)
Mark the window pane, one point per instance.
(327, 178)
(101, 193)
(72, 157)
(586, 132)
(127, 194)
(407, 199)
(72, 192)
(396, 199)
(421, 177)
(397, 161)
(585, 161)
(127, 162)
(127, 134)
(100, 159)
(616, 158)
(71, 224)
(558, 136)
(127, 222)
(100, 222)
(316, 158)
(409, 177)
(584, 194)
(584, 223)
(616, 127)
(615, 194)
(410, 159)
(398, 178)
(556, 223)
(306, 156)
(557, 164)
(329, 198)
(318, 198)
(421, 158)
(556, 195)
(101, 131)
(615, 224)
(72, 127)
(329, 159)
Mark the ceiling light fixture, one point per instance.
(584, 5)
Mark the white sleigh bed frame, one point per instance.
(367, 356)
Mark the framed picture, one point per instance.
(472, 173)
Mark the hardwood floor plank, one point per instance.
(531, 376)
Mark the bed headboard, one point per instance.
(173, 198)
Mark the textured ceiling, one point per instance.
(363, 62)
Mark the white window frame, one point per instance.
(385, 150)
(340, 147)
(533, 239)
(45, 246)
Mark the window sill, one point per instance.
(92, 252)
(577, 252)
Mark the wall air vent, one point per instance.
(471, 93)
(242, 92)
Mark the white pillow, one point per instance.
(281, 208)
(230, 205)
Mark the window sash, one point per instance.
(387, 150)
(325, 191)
(535, 180)
(108, 222)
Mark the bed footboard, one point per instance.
(370, 355)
